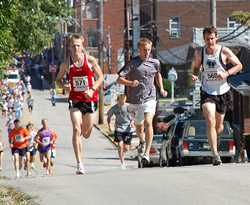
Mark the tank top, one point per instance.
(81, 78)
(45, 138)
(212, 66)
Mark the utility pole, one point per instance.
(126, 28)
(155, 119)
(75, 15)
(81, 16)
(100, 57)
(109, 51)
(213, 13)
(126, 41)
(154, 27)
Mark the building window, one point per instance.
(174, 24)
(231, 23)
(91, 11)
(92, 38)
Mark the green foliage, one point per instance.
(8, 11)
(168, 118)
(167, 86)
(190, 84)
(29, 26)
(37, 23)
(241, 17)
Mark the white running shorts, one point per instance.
(137, 111)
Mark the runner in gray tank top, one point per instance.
(139, 75)
(215, 89)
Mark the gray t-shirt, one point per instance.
(144, 72)
(122, 118)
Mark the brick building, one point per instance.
(113, 31)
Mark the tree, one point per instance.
(8, 12)
(37, 23)
(241, 17)
(29, 26)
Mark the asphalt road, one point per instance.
(104, 182)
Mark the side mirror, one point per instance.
(165, 136)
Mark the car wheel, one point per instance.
(183, 161)
(163, 163)
(140, 164)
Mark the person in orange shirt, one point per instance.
(18, 139)
(53, 148)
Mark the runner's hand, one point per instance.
(193, 78)
(134, 83)
(164, 93)
(67, 87)
(89, 93)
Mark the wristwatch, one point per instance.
(93, 89)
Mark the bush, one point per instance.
(162, 127)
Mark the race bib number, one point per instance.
(133, 112)
(211, 76)
(46, 140)
(18, 137)
(80, 83)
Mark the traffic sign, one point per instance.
(52, 68)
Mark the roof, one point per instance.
(175, 56)
(241, 83)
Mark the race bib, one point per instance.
(46, 140)
(80, 83)
(211, 76)
(18, 137)
(133, 112)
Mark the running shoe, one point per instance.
(123, 167)
(47, 172)
(80, 169)
(141, 147)
(145, 159)
(32, 165)
(44, 164)
(17, 176)
(216, 160)
(28, 173)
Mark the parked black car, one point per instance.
(186, 140)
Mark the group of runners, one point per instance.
(139, 74)
(24, 143)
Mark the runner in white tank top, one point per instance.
(214, 91)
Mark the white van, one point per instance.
(12, 76)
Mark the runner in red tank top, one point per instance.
(85, 77)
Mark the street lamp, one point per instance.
(172, 76)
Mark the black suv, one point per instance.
(186, 139)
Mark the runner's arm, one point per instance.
(196, 67)
(124, 81)
(159, 81)
(63, 69)
(237, 66)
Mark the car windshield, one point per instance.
(11, 76)
(198, 128)
(157, 139)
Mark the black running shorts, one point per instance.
(126, 137)
(221, 101)
(84, 107)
